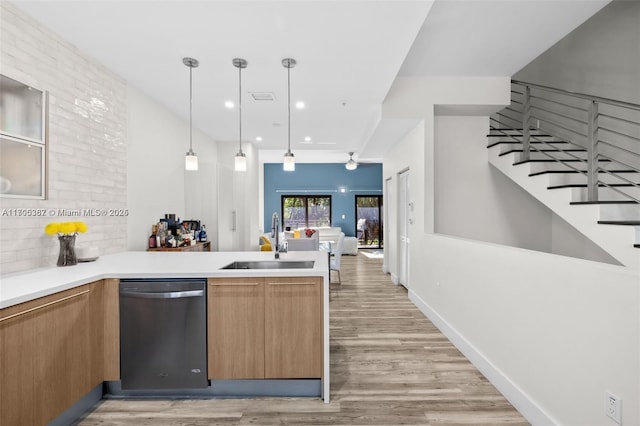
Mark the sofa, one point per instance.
(329, 233)
(332, 234)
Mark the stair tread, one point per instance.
(580, 172)
(531, 142)
(620, 222)
(584, 185)
(537, 135)
(541, 150)
(510, 129)
(580, 203)
(550, 150)
(536, 160)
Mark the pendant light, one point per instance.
(289, 162)
(191, 159)
(241, 159)
(351, 164)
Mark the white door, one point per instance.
(404, 219)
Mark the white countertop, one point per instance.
(22, 287)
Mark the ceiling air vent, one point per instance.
(263, 96)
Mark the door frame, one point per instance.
(404, 222)
(380, 198)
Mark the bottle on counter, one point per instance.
(153, 238)
(171, 241)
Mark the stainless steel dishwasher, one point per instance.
(163, 334)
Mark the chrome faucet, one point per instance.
(275, 232)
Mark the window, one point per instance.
(302, 211)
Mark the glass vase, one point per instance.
(67, 256)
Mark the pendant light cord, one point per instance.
(240, 105)
(289, 105)
(190, 109)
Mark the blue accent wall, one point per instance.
(322, 179)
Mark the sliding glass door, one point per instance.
(369, 221)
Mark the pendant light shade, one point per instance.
(241, 162)
(191, 159)
(351, 164)
(241, 158)
(289, 161)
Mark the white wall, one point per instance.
(600, 57)
(157, 181)
(567, 241)
(473, 200)
(407, 154)
(87, 144)
(201, 188)
(550, 332)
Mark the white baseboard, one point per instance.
(528, 408)
(394, 279)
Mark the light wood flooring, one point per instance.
(389, 366)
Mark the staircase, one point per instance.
(578, 158)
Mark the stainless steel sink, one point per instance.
(271, 264)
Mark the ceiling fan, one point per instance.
(352, 164)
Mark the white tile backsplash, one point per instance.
(87, 144)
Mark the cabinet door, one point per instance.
(46, 356)
(235, 327)
(17, 384)
(293, 327)
(111, 329)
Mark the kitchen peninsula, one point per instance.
(52, 361)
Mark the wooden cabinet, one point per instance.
(236, 328)
(50, 354)
(293, 328)
(265, 328)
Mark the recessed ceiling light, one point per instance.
(300, 105)
(307, 138)
(259, 138)
(229, 104)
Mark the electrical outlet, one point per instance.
(613, 407)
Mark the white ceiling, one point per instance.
(348, 53)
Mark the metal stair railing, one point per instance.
(607, 129)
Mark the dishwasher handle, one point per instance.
(163, 295)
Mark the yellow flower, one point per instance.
(65, 228)
(52, 228)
